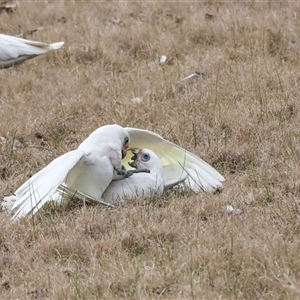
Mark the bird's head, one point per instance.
(144, 159)
(113, 133)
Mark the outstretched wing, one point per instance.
(200, 173)
(14, 50)
(36, 191)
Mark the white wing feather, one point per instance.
(36, 191)
(201, 174)
(14, 50)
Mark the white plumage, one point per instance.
(14, 50)
(200, 174)
(89, 169)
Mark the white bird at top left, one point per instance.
(15, 50)
(90, 168)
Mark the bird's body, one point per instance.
(14, 50)
(139, 184)
(90, 169)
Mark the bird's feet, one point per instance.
(127, 173)
(131, 172)
(121, 172)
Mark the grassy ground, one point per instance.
(242, 117)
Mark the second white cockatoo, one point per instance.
(201, 176)
(89, 169)
(15, 50)
(138, 184)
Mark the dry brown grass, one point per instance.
(242, 117)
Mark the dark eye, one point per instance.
(126, 140)
(145, 157)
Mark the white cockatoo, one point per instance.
(201, 176)
(15, 50)
(89, 169)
